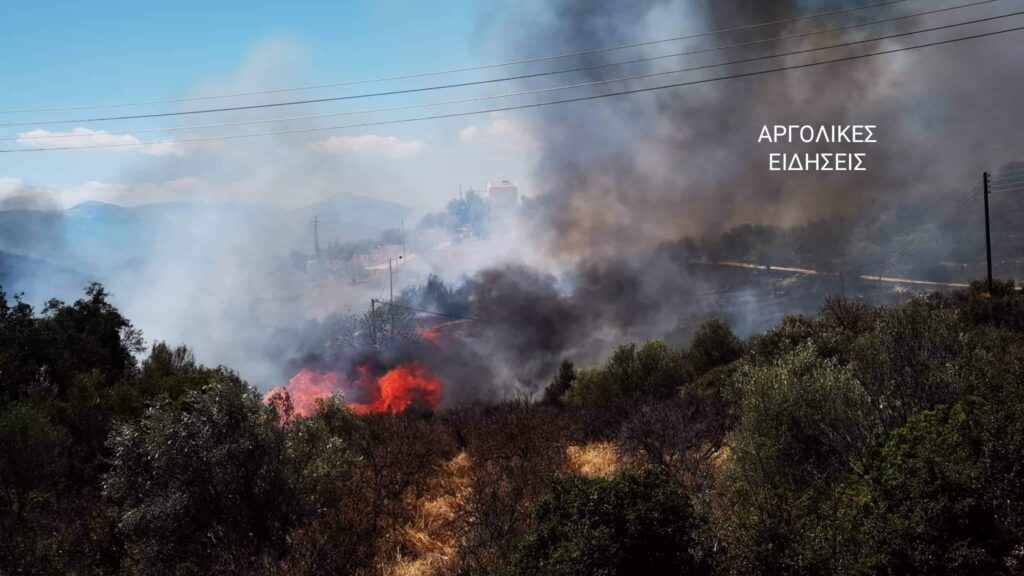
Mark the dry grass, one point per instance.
(721, 458)
(429, 544)
(595, 459)
(430, 541)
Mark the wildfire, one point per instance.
(401, 388)
(305, 388)
(397, 390)
(431, 334)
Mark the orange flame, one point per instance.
(404, 386)
(305, 388)
(431, 334)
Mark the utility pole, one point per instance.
(842, 285)
(403, 238)
(988, 232)
(316, 237)
(373, 320)
(391, 303)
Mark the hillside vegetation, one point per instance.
(866, 440)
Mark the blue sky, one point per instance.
(70, 53)
(88, 51)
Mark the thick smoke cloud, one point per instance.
(625, 179)
(630, 192)
(625, 172)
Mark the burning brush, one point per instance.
(368, 390)
(396, 390)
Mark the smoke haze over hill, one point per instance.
(626, 191)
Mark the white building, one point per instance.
(503, 198)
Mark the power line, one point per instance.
(1008, 184)
(910, 243)
(522, 93)
(420, 89)
(432, 312)
(466, 69)
(564, 101)
(1016, 178)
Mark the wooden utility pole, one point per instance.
(988, 232)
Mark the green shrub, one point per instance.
(561, 383)
(631, 523)
(189, 481)
(935, 498)
(653, 370)
(713, 345)
(31, 457)
(910, 360)
(805, 423)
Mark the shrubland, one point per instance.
(865, 440)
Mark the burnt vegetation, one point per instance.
(865, 440)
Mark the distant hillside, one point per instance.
(348, 217)
(32, 276)
(97, 236)
(37, 233)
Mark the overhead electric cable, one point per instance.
(432, 312)
(498, 96)
(1016, 178)
(473, 83)
(564, 101)
(468, 68)
(1007, 178)
(910, 243)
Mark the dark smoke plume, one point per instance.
(625, 181)
(636, 189)
(625, 172)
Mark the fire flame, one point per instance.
(401, 388)
(397, 390)
(431, 334)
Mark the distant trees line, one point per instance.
(470, 210)
(863, 441)
(902, 239)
